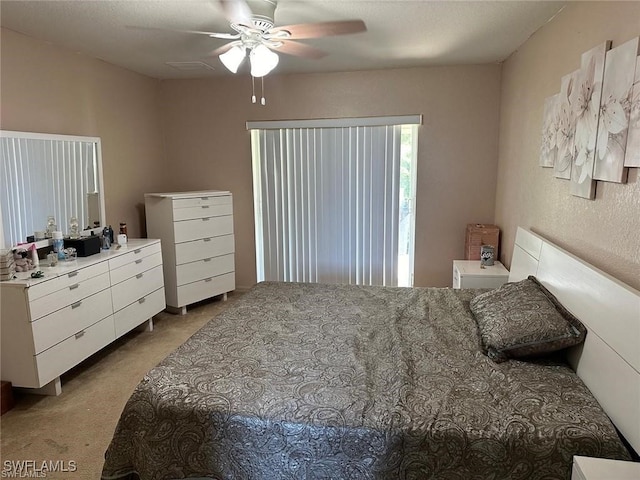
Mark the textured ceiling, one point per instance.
(400, 33)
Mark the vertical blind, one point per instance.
(42, 178)
(326, 199)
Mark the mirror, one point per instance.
(48, 175)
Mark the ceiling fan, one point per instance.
(256, 35)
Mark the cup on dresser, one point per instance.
(122, 239)
(70, 254)
(52, 259)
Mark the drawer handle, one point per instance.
(206, 219)
(72, 274)
(139, 260)
(204, 206)
(204, 198)
(139, 276)
(207, 260)
(79, 334)
(137, 251)
(142, 300)
(206, 239)
(73, 287)
(76, 305)
(208, 279)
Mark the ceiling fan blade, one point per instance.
(321, 29)
(299, 50)
(224, 48)
(236, 11)
(224, 36)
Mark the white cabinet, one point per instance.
(51, 324)
(468, 274)
(589, 468)
(198, 248)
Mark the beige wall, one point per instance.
(44, 88)
(201, 126)
(605, 231)
(208, 146)
(48, 89)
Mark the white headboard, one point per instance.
(609, 360)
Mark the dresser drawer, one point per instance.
(202, 211)
(135, 267)
(133, 255)
(70, 295)
(66, 280)
(206, 227)
(209, 287)
(207, 268)
(133, 315)
(129, 291)
(205, 200)
(53, 328)
(205, 248)
(67, 354)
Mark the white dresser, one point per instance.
(196, 229)
(51, 324)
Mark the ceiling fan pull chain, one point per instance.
(253, 89)
(262, 100)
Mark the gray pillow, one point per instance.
(524, 319)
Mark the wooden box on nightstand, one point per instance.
(479, 234)
(468, 274)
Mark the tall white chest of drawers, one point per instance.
(196, 229)
(51, 324)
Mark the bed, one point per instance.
(300, 381)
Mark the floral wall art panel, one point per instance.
(619, 72)
(548, 147)
(632, 155)
(565, 138)
(585, 101)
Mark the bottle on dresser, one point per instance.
(58, 244)
(106, 240)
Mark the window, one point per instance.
(334, 200)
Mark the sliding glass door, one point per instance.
(335, 203)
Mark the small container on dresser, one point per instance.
(85, 246)
(196, 229)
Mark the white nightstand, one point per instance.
(468, 274)
(589, 468)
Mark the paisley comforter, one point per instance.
(312, 381)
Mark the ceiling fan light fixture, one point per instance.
(233, 57)
(262, 60)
